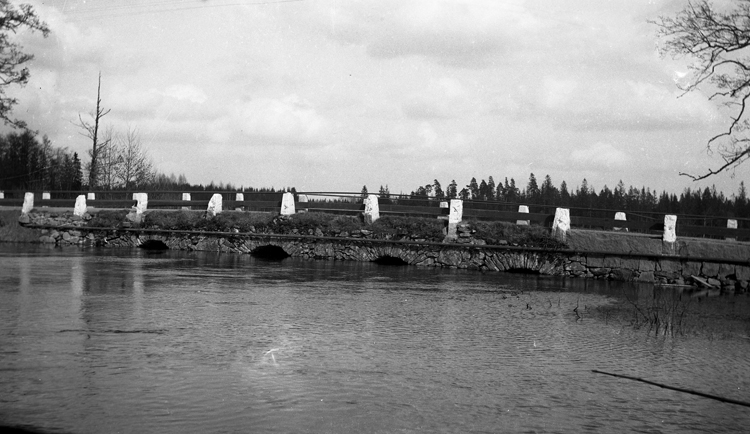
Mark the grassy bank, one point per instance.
(397, 228)
(321, 224)
(12, 232)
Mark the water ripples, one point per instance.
(223, 343)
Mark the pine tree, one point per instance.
(473, 188)
(512, 192)
(76, 181)
(464, 194)
(439, 194)
(532, 190)
(564, 194)
(491, 189)
(484, 191)
(500, 191)
(549, 194)
(452, 192)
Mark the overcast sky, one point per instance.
(333, 95)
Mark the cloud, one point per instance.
(452, 32)
(612, 104)
(441, 98)
(463, 87)
(428, 134)
(187, 93)
(289, 119)
(600, 155)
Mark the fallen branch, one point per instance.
(679, 389)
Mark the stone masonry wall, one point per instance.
(592, 255)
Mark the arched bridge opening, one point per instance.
(153, 245)
(522, 271)
(270, 253)
(390, 260)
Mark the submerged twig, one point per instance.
(678, 389)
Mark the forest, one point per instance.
(30, 164)
(705, 202)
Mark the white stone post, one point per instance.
(561, 224)
(186, 198)
(670, 226)
(141, 202)
(45, 196)
(2, 194)
(239, 197)
(287, 204)
(91, 196)
(620, 216)
(731, 224)
(455, 215)
(523, 209)
(28, 203)
(214, 205)
(443, 205)
(80, 207)
(302, 199)
(372, 209)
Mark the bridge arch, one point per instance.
(270, 252)
(153, 245)
(150, 242)
(390, 260)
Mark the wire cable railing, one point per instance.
(352, 203)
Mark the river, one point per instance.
(132, 341)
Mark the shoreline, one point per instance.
(622, 256)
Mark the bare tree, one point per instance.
(91, 130)
(133, 168)
(719, 43)
(107, 159)
(13, 19)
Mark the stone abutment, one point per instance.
(717, 264)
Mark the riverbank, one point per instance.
(12, 232)
(716, 264)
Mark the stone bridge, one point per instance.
(593, 254)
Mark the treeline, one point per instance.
(707, 201)
(28, 163)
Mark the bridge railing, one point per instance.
(353, 204)
(542, 215)
(251, 201)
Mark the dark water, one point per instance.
(95, 341)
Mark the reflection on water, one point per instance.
(119, 340)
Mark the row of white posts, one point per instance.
(560, 225)
(214, 205)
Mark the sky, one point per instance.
(331, 95)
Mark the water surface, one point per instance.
(106, 340)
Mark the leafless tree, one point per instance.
(107, 159)
(133, 167)
(91, 130)
(719, 43)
